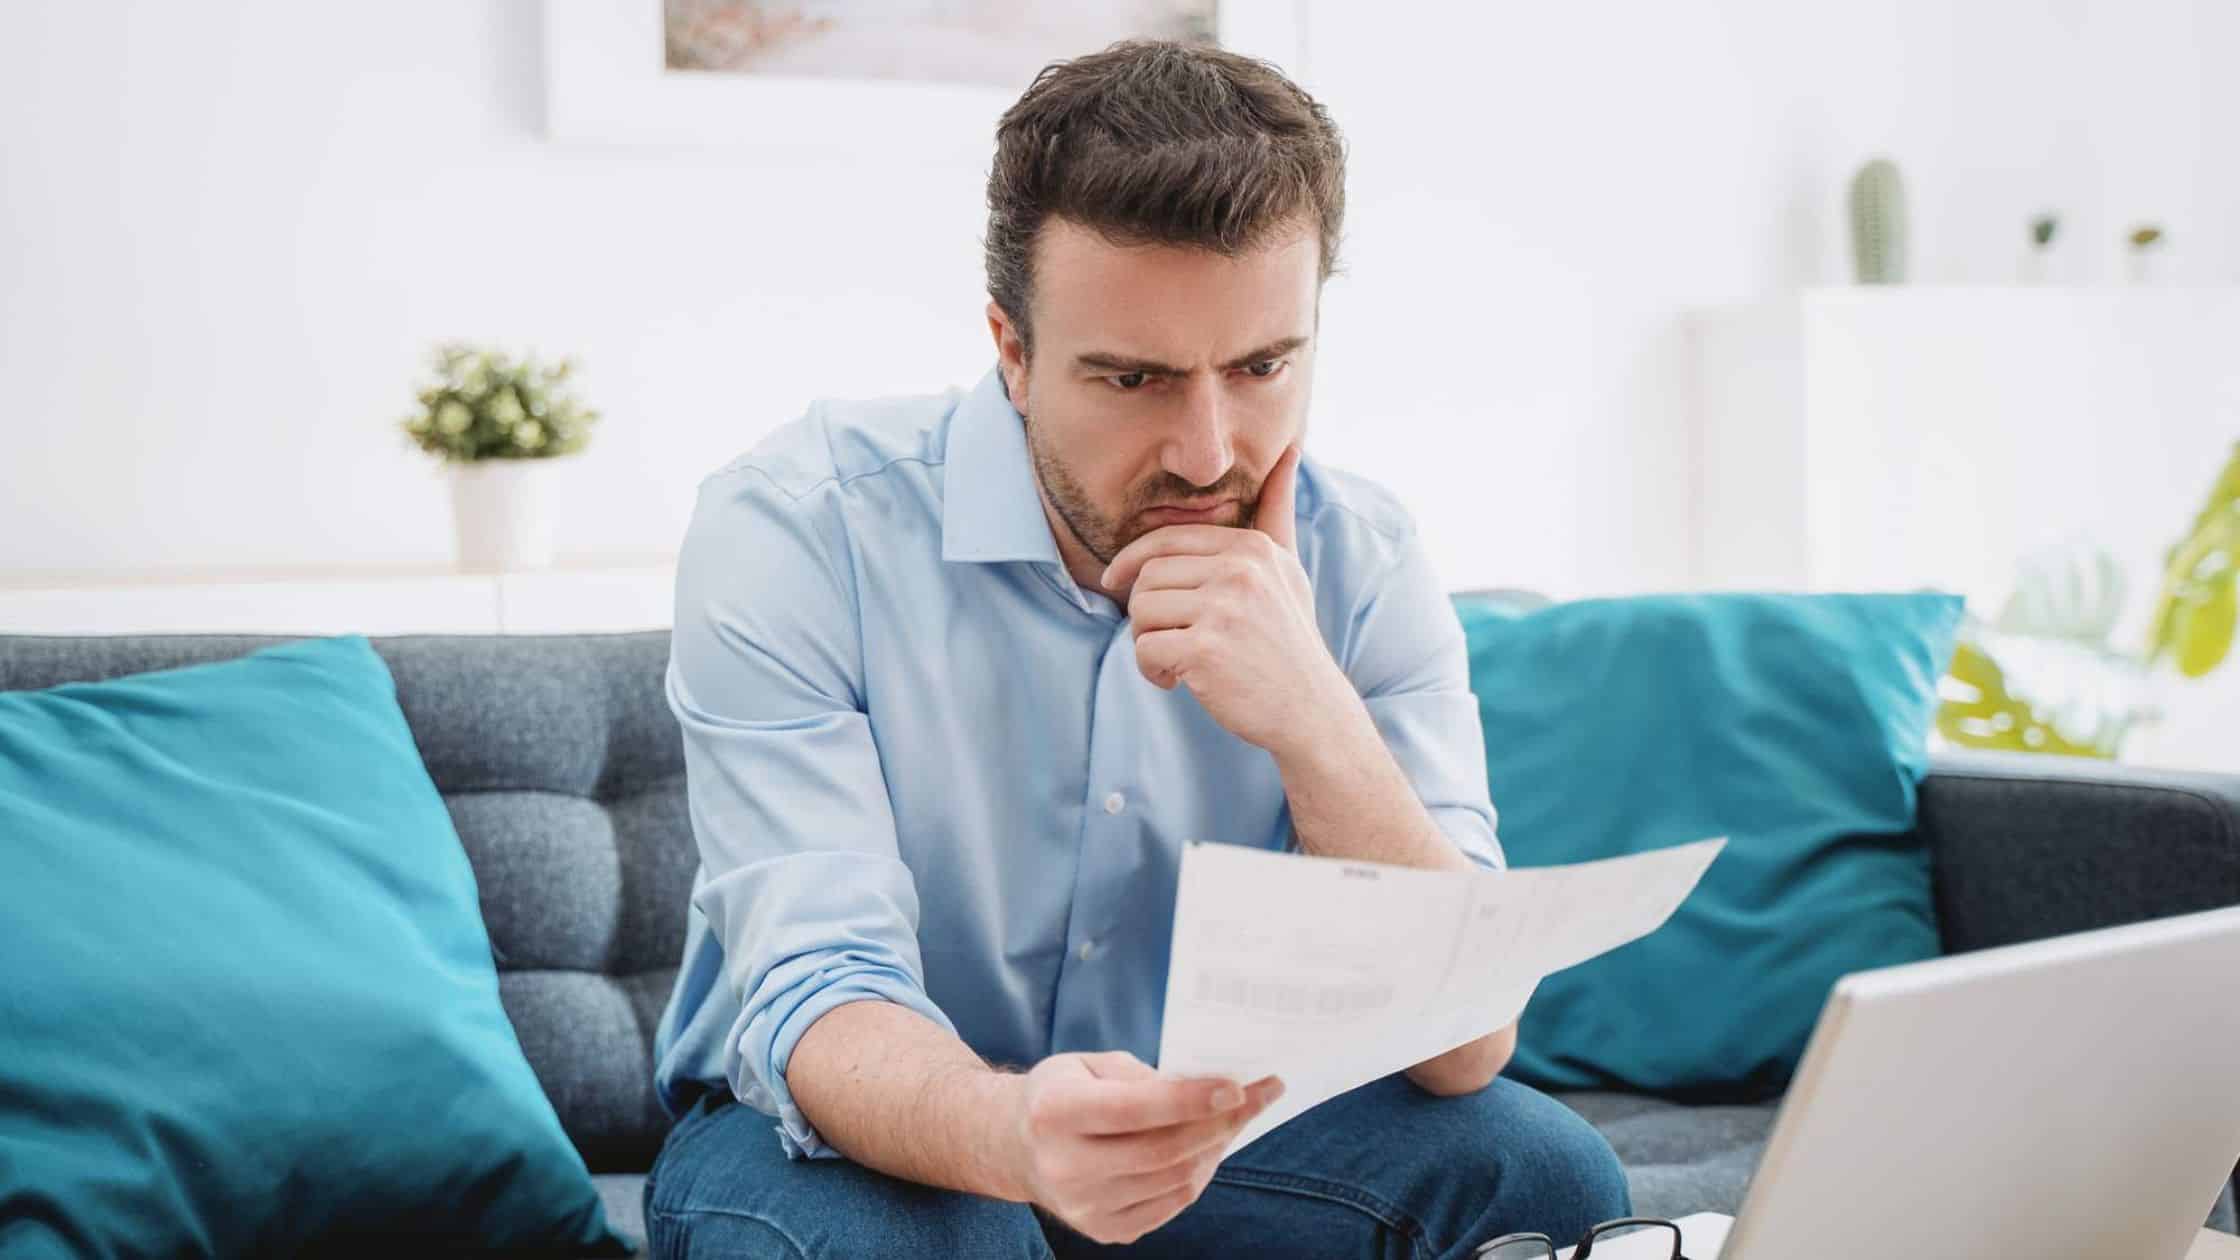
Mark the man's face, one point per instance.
(1162, 378)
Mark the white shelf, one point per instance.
(583, 597)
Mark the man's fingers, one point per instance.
(1167, 540)
(1135, 1222)
(1117, 1065)
(1149, 1152)
(1179, 573)
(1122, 1193)
(1162, 654)
(1141, 1179)
(1165, 609)
(1128, 1106)
(1278, 515)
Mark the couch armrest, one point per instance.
(2026, 846)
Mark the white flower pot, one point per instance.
(501, 514)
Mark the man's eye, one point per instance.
(1265, 367)
(1129, 380)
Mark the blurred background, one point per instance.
(1638, 297)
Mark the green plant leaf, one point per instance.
(1977, 711)
(2072, 592)
(2193, 617)
(488, 404)
(2203, 631)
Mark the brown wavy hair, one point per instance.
(1157, 142)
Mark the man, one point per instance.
(958, 676)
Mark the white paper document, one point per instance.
(1330, 973)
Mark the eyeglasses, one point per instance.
(1542, 1247)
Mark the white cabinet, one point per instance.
(580, 598)
(1901, 437)
(1887, 438)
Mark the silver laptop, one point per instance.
(2069, 1099)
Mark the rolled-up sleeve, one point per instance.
(1411, 662)
(800, 881)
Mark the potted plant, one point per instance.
(2044, 676)
(2145, 241)
(1878, 223)
(2042, 229)
(496, 423)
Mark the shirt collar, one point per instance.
(991, 508)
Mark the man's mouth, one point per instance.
(1194, 512)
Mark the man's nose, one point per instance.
(1199, 450)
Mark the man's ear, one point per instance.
(1011, 353)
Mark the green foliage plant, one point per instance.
(484, 404)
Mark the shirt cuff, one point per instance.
(768, 1092)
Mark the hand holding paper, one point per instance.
(1332, 973)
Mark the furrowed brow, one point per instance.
(1105, 361)
(1273, 350)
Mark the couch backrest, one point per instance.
(564, 773)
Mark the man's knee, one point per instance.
(941, 1223)
(952, 1223)
(1448, 1172)
(723, 1187)
(1547, 1169)
(698, 1235)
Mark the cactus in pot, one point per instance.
(1878, 223)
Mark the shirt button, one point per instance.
(1114, 803)
(1087, 951)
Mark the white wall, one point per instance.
(234, 228)
(1541, 190)
(231, 229)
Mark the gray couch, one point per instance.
(564, 773)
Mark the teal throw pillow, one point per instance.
(1795, 725)
(247, 1004)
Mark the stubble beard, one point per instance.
(1099, 533)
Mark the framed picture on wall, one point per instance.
(925, 77)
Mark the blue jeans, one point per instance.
(1385, 1170)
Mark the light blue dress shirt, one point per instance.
(923, 767)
